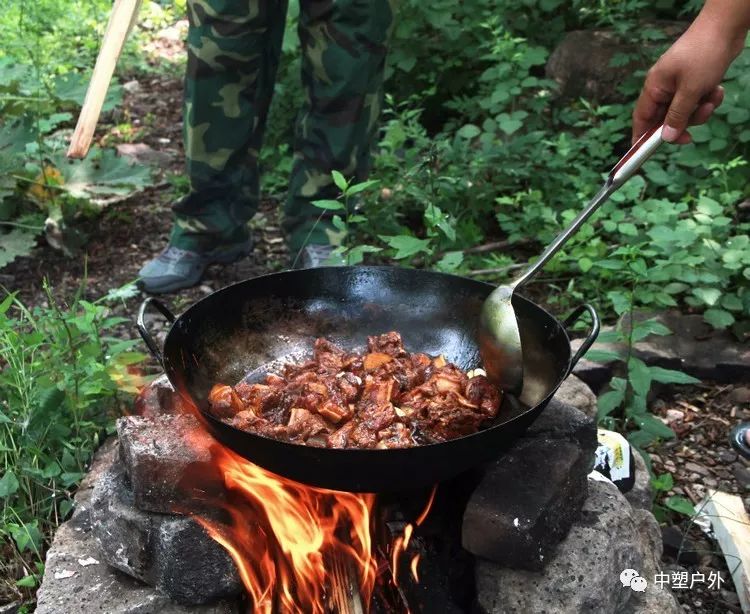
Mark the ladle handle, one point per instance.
(641, 151)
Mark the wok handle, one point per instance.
(590, 338)
(141, 323)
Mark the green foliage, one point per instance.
(675, 503)
(63, 379)
(42, 85)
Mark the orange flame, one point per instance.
(401, 543)
(288, 539)
(299, 535)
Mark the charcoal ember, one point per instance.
(159, 398)
(171, 553)
(526, 502)
(168, 462)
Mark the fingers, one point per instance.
(679, 113)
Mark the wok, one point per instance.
(252, 327)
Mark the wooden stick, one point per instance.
(121, 20)
(732, 529)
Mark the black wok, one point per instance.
(252, 327)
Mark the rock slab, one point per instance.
(69, 586)
(583, 574)
(172, 553)
(527, 500)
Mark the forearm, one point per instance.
(728, 20)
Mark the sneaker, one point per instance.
(314, 256)
(177, 268)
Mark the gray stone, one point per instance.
(641, 495)
(582, 63)
(595, 374)
(583, 574)
(168, 462)
(526, 502)
(655, 599)
(96, 588)
(577, 393)
(172, 553)
(159, 398)
(561, 421)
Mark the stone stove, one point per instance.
(533, 531)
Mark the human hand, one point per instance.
(682, 88)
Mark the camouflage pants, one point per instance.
(234, 48)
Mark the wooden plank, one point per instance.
(121, 20)
(731, 526)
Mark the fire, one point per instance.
(286, 538)
(295, 545)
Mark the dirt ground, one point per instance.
(132, 231)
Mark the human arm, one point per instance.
(682, 88)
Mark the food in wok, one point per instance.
(385, 397)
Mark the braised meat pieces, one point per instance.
(386, 398)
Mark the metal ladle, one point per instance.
(499, 337)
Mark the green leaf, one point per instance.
(709, 296)
(681, 505)
(670, 376)
(641, 439)
(604, 356)
(357, 254)
(450, 262)
(29, 581)
(469, 131)
(585, 264)
(628, 228)
(643, 329)
(102, 174)
(329, 205)
(50, 400)
(652, 425)
(8, 484)
(406, 246)
(664, 482)
(639, 376)
(52, 470)
(7, 302)
(17, 242)
(361, 187)
(608, 402)
(718, 318)
(340, 181)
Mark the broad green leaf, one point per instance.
(664, 482)
(17, 242)
(405, 245)
(52, 470)
(669, 376)
(329, 205)
(102, 174)
(641, 439)
(709, 296)
(8, 484)
(639, 376)
(643, 329)
(357, 254)
(468, 131)
(585, 264)
(681, 505)
(718, 318)
(7, 302)
(339, 180)
(604, 356)
(29, 581)
(361, 187)
(652, 425)
(608, 402)
(450, 262)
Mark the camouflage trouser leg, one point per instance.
(344, 44)
(233, 52)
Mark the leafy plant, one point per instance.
(674, 503)
(63, 379)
